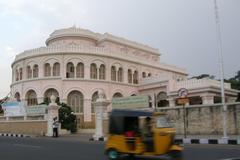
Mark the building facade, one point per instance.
(76, 63)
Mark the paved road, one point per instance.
(67, 149)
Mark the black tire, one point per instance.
(112, 154)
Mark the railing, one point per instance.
(22, 118)
(148, 80)
(199, 83)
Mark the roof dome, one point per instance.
(72, 32)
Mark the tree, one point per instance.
(1, 102)
(67, 118)
(235, 83)
(203, 76)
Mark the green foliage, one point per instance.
(204, 76)
(67, 118)
(1, 110)
(235, 83)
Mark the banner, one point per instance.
(132, 102)
(13, 108)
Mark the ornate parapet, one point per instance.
(100, 51)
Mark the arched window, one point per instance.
(113, 73)
(20, 74)
(47, 70)
(17, 96)
(31, 98)
(70, 70)
(94, 99)
(93, 71)
(49, 93)
(35, 71)
(149, 74)
(75, 101)
(16, 75)
(29, 72)
(135, 77)
(143, 74)
(117, 95)
(80, 70)
(56, 69)
(129, 76)
(102, 72)
(120, 75)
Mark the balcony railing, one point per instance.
(197, 83)
(149, 80)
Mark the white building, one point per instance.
(76, 63)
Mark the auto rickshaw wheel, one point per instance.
(112, 154)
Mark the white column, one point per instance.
(208, 99)
(100, 106)
(117, 68)
(86, 71)
(40, 99)
(108, 72)
(52, 113)
(132, 77)
(75, 71)
(171, 102)
(51, 66)
(40, 70)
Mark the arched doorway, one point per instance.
(162, 100)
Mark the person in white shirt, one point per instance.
(55, 127)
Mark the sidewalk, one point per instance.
(208, 139)
(190, 139)
(83, 137)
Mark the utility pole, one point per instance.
(219, 41)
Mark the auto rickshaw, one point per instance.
(126, 135)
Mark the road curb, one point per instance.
(207, 141)
(13, 135)
(98, 139)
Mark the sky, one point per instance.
(184, 31)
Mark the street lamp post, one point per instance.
(219, 40)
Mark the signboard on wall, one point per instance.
(19, 109)
(13, 109)
(132, 102)
(39, 109)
